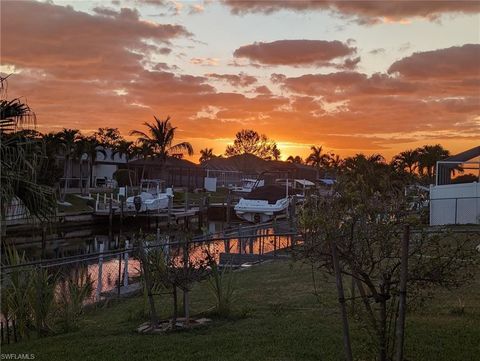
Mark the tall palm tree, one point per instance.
(67, 139)
(143, 151)
(428, 157)
(91, 147)
(206, 154)
(407, 159)
(124, 148)
(317, 158)
(159, 137)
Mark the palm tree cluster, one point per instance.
(158, 143)
(421, 160)
(419, 163)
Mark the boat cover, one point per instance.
(270, 193)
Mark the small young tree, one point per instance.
(171, 267)
(361, 227)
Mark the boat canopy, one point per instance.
(304, 182)
(270, 193)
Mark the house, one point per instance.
(452, 202)
(230, 171)
(101, 173)
(176, 172)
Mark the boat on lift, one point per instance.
(151, 197)
(248, 185)
(263, 203)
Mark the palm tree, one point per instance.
(67, 138)
(335, 161)
(275, 152)
(407, 159)
(206, 154)
(20, 162)
(90, 147)
(428, 157)
(143, 151)
(317, 158)
(297, 159)
(160, 140)
(125, 148)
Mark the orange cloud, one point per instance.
(297, 52)
(363, 12)
(454, 62)
(240, 80)
(75, 45)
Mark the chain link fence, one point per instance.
(116, 273)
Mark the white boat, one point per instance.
(262, 204)
(151, 197)
(248, 184)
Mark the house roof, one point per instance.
(171, 162)
(465, 156)
(249, 163)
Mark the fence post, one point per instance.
(119, 283)
(402, 304)
(456, 209)
(186, 296)
(100, 272)
(274, 246)
(125, 265)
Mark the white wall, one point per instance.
(455, 204)
(104, 170)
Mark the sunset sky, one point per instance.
(353, 76)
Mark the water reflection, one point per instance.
(112, 273)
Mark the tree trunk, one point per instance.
(341, 300)
(89, 180)
(382, 342)
(90, 165)
(402, 307)
(65, 176)
(129, 175)
(81, 177)
(186, 298)
(143, 171)
(175, 307)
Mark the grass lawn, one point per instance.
(278, 319)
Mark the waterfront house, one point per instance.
(453, 202)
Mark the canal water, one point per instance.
(77, 249)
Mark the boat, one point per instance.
(151, 197)
(298, 187)
(262, 204)
(248, 184)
